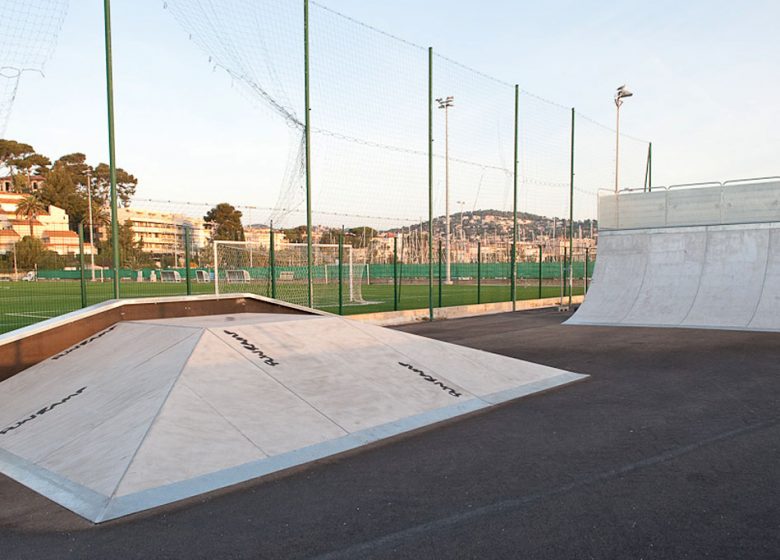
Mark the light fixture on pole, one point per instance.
(620, 95)
(445, 103)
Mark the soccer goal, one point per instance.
(202, 276)
(243, 266)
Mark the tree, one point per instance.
(131, 252)
(225, 222)
(100, 217)
(33, 163)
(60, 190)
(362, 236)
(13, 152)
(31, 252)
(295, 235)
(330, 236)
(30, 207)
(125, 184)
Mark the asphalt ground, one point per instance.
(670, 450)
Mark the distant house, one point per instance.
(7, 183)
(50, 226)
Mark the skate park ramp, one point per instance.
(688, 258)
(148, 412)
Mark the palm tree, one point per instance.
(31, 206)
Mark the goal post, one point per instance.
(244, 266)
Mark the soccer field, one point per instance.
(25, 303)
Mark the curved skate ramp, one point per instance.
(720, 277)
(148, 412)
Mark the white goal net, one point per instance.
(243, 266)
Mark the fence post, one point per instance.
(440, 286)
(571, 213)
(341, 272)
(395, 273)
(587, 258)
(541, 258)
(514, 203)
(81, 267)
(430, 184)
(187, 259)
(307, 131)
(111, 145)
(564, 273)
(479, 271)
(272, 258)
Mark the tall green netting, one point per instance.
(28, 35)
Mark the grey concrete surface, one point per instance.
(670, 450)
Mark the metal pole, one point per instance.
(618, 103)
(440, 259)
(571, 209)
(91, 229)
(514, 200)
(341, 272)
(479, 271)
(430, 183)
(216, 267)
(563, 274)
(587, 258)
(395, 273)
(307, 109)
(111, 146)
(187, 259)
(447, 191)
(81, 268)
(272, 257)
(541, 256)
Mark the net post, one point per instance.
(479, 271)
(514, 200)
(341, 273)
(272, 258)
(187, 260)
(307, 132)
(430, 183)
(563, 274)
(111, 144)
(395, 273)
(541, 259)
(571, 211)
(81, 267)
(216, 267)
(440, 285)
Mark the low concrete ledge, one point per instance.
(390, 318)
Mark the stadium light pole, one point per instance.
(621, 93)
(445, 103)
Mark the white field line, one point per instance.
(32, 315)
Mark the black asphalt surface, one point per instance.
(670, 450)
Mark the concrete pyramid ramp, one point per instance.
(149, 412)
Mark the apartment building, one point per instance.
(50, 226)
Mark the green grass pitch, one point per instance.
(25, 303)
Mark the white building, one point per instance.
(50, 226)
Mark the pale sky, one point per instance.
(704, 75)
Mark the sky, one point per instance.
(704, 75)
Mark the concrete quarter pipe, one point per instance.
(722, 275)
